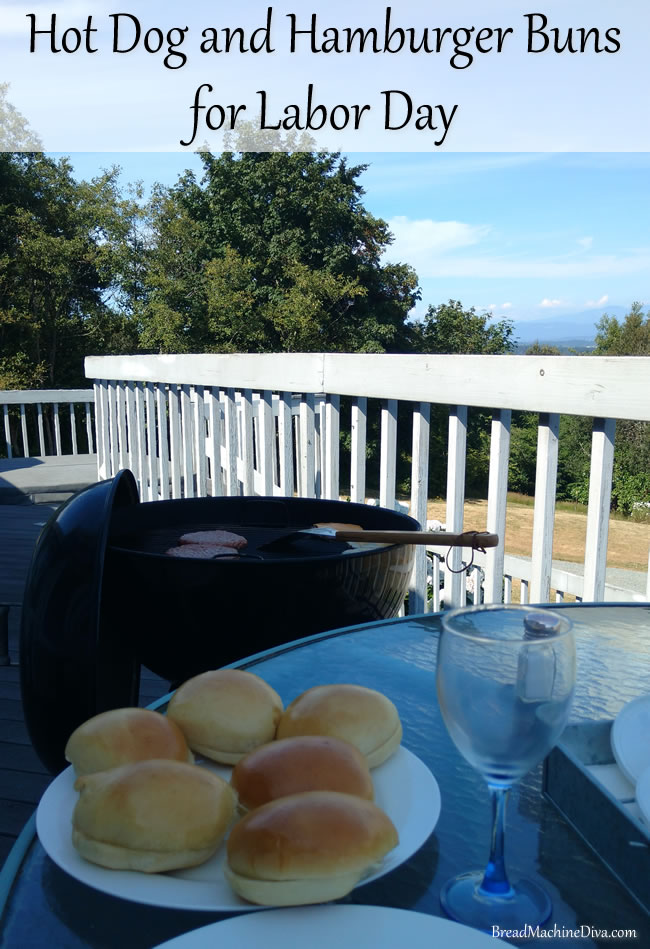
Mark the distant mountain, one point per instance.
(564, 329)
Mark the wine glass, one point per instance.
(505, 682)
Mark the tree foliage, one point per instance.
(15, 133)
(629, 338)
(449, 328)
(59, 242)
(274, 251)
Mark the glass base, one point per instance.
(527, 904)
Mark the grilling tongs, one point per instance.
(477, 540)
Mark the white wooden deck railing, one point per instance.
(44, 422)
(270, 424)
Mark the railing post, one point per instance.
(456, 463)
(600, 491)
(543, 518)
(358, 426)
(497, 499)
(419, 494)
(388, 452)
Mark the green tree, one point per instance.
(450, 328)
(631, 477)
(15, 133)
(629, 338)
(274, 251)
(58, 262)
(542, 349)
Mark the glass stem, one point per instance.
(495, 881)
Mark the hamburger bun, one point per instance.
(304, 763)
(306, 848)
(226, 713)
(151, 816)
(122, 736)
(364, 717)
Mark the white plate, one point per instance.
(630, 738)
(321, 927)
(404, 788)
(643, 795)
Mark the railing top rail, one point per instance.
(34, 396)
(598, 386)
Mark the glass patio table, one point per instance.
(45, 907)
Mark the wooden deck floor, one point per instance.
(22, 776)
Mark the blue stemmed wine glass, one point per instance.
(505, 682)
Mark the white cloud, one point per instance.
(506, 306)
(549, 268)
(549, 304)
(421, 243)
(603, 300)
(586, 242)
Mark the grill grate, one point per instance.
(159, 540)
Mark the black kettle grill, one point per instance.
(102, 596)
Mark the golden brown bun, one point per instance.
(307, 848)
(364, 717)
(124, 735)
(304, 763)
(151, 816)
(226, 713)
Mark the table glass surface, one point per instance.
(48, 908)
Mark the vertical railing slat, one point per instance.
(151, 441)
(121, 426)
(497, 500)
(266, 440)
(332, 434)
(101, 421)
(230, 443)
(246, 440)
(199, 443)
(544, 513)
(600, 491)
(175, 446)
(89, 427)
(57, 429)
(419, 497)
(307, 487)
(73, 429)
(320, 434)
(214, 441)
(162, 411)
(113, 425)
(23, 427)
(5, 412)
(187, 450)
(434, 605)
(358, 425)
(41, 431)
(388, 453)
(133, 454)
(285, 445)
(457, 446)
(141, 441)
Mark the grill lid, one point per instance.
(70, 668)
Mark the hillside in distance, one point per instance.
(566, 330)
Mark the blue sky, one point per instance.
(528, 236)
